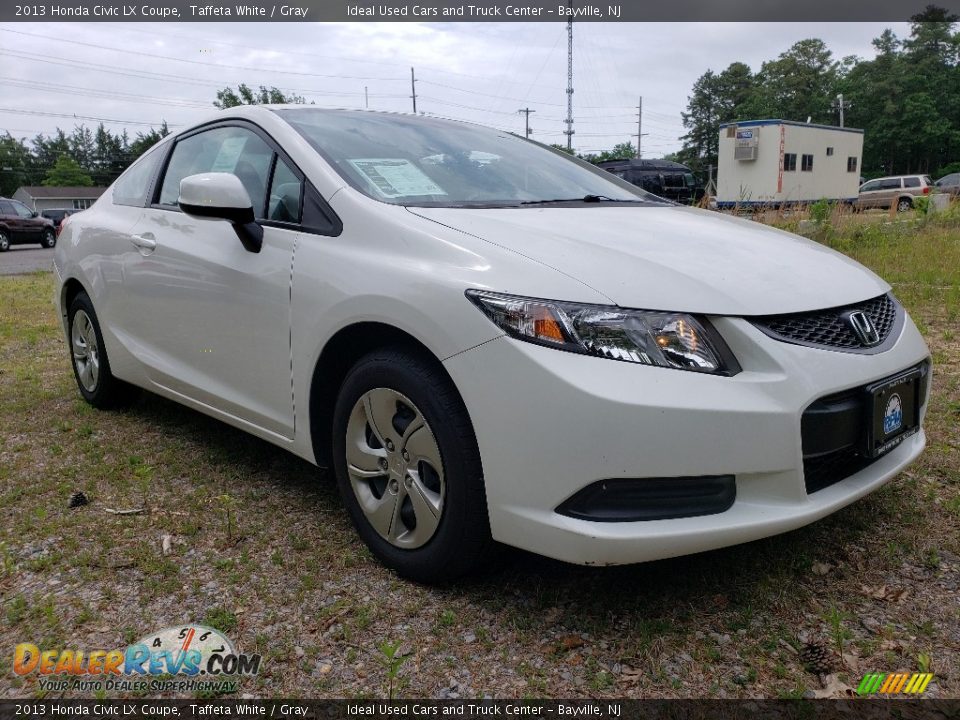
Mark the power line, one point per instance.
(42, 113)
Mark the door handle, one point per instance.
(144, 242)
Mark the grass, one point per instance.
(262, 549)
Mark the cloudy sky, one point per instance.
(137, 74)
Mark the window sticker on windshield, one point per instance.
(396, 177)
(230, 150)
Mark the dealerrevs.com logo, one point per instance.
(175, 659)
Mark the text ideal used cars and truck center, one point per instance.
(491, 341)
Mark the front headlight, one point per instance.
(665, 339)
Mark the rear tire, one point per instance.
(4, 241)
(88, 354)
(904, 204)
(413, 482)
(49, 239)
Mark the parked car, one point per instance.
(949, 184)
(663, 178)
(489, 340)
(21, 225)
(56, 215)
(899, 190)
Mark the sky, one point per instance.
(137, 74)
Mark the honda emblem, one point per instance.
(863, 328)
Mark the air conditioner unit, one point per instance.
(748, 140)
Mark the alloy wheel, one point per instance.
(86, 351)
(4, 242)
(395, 468)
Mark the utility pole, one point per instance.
(413, 90)
(569, 121)
(527, 111)
(640, 132)
(366, 98)
(840, 104)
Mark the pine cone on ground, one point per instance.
(816, 659)
(78, 499)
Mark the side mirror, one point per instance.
(34, 214)
(222, 196)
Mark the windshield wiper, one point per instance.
(584, 199)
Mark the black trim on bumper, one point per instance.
(834, 434)
(634, 499)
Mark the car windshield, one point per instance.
(420, 161)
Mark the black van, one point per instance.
(664, 178)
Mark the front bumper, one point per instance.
(549, 423)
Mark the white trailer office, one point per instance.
(776, 162)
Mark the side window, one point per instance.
(890, 184)
(807, 163)
(829, 151)
(131, 188)
(852, 164)
(227, 149)
(6, 208)
(22, 210)
(789, 162)
(911, 182)
(285, 193)
(872, 185)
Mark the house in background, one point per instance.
(41, 197)
(775, 162)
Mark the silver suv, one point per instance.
(899, 190)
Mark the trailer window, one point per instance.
(851, 164)
(829, 151)
(807, 165)
(790, 162)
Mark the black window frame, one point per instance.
(806, 163)
(789, 162)
(829, 151)
(852, 162)
(316, 215)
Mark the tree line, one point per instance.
(906, 99)
(82, 157)
(85, 157)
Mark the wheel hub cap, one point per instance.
(395, 468)
(86, 351)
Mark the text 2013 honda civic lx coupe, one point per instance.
(489, 340)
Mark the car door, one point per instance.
(31, 226)
(868, 194)
(209, 320)
(889, 191)
(11, 219)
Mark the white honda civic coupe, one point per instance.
(491, 341)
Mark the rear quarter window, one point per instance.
(911, 182)
(132, 187)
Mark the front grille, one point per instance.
(823, 471)
(831, 328)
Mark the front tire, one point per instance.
(91, 366)
(4, 241)
(49, 239)
(408, 467)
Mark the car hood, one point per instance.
(673, 258)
